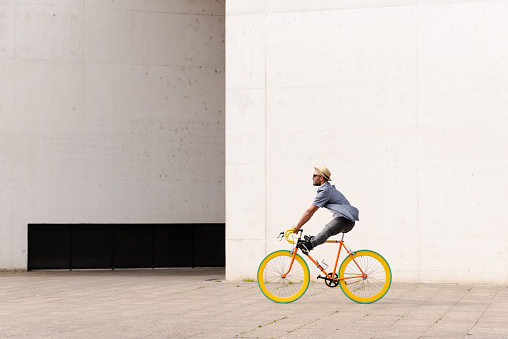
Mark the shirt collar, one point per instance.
(326, 184)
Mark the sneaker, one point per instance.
(305, 246)
(308, 237)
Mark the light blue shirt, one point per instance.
(329, 197)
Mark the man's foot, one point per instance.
(308, 237)
(305, 246)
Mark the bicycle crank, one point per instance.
(331, 282)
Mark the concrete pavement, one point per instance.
(198, 303)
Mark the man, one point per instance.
(344, 215)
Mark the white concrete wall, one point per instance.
(110, 112)
(404, 100)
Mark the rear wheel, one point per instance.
(366, 288)
(283, 289)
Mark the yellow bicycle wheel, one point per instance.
(365, 289)
(277, 288)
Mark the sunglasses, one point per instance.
(315, 175)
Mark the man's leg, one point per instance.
(336, 226)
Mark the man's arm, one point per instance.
(309, 212)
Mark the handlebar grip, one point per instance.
(290, 236)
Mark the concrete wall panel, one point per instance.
(49, 32)
(47, 90)
(196, 7)
(247, 66)
(321, 48)
(111, 113)
(171, 39)
(403, 101)
(8, 18)
(6, 201)
(462, 40)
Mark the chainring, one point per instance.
(332, 283)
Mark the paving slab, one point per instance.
(199, 303)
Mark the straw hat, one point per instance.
(325, 172)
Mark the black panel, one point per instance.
(91, 246)
(209, 249)
(82, 246)
(49, 246)
(181, 245)
(161, 246)
(133, 246)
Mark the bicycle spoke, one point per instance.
(367, 288)
(287, 288)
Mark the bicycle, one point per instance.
(283, 276)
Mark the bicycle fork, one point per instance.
(290, 264)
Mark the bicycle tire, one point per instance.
(371, 288)
(276, 288)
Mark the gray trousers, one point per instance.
(336, 226)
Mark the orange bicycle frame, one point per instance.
(341, 242)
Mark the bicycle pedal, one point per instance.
(320, 277)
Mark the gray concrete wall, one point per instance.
(110, 112)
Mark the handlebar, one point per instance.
(289, 235)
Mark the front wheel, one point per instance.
(283, 289)
(365, 276)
